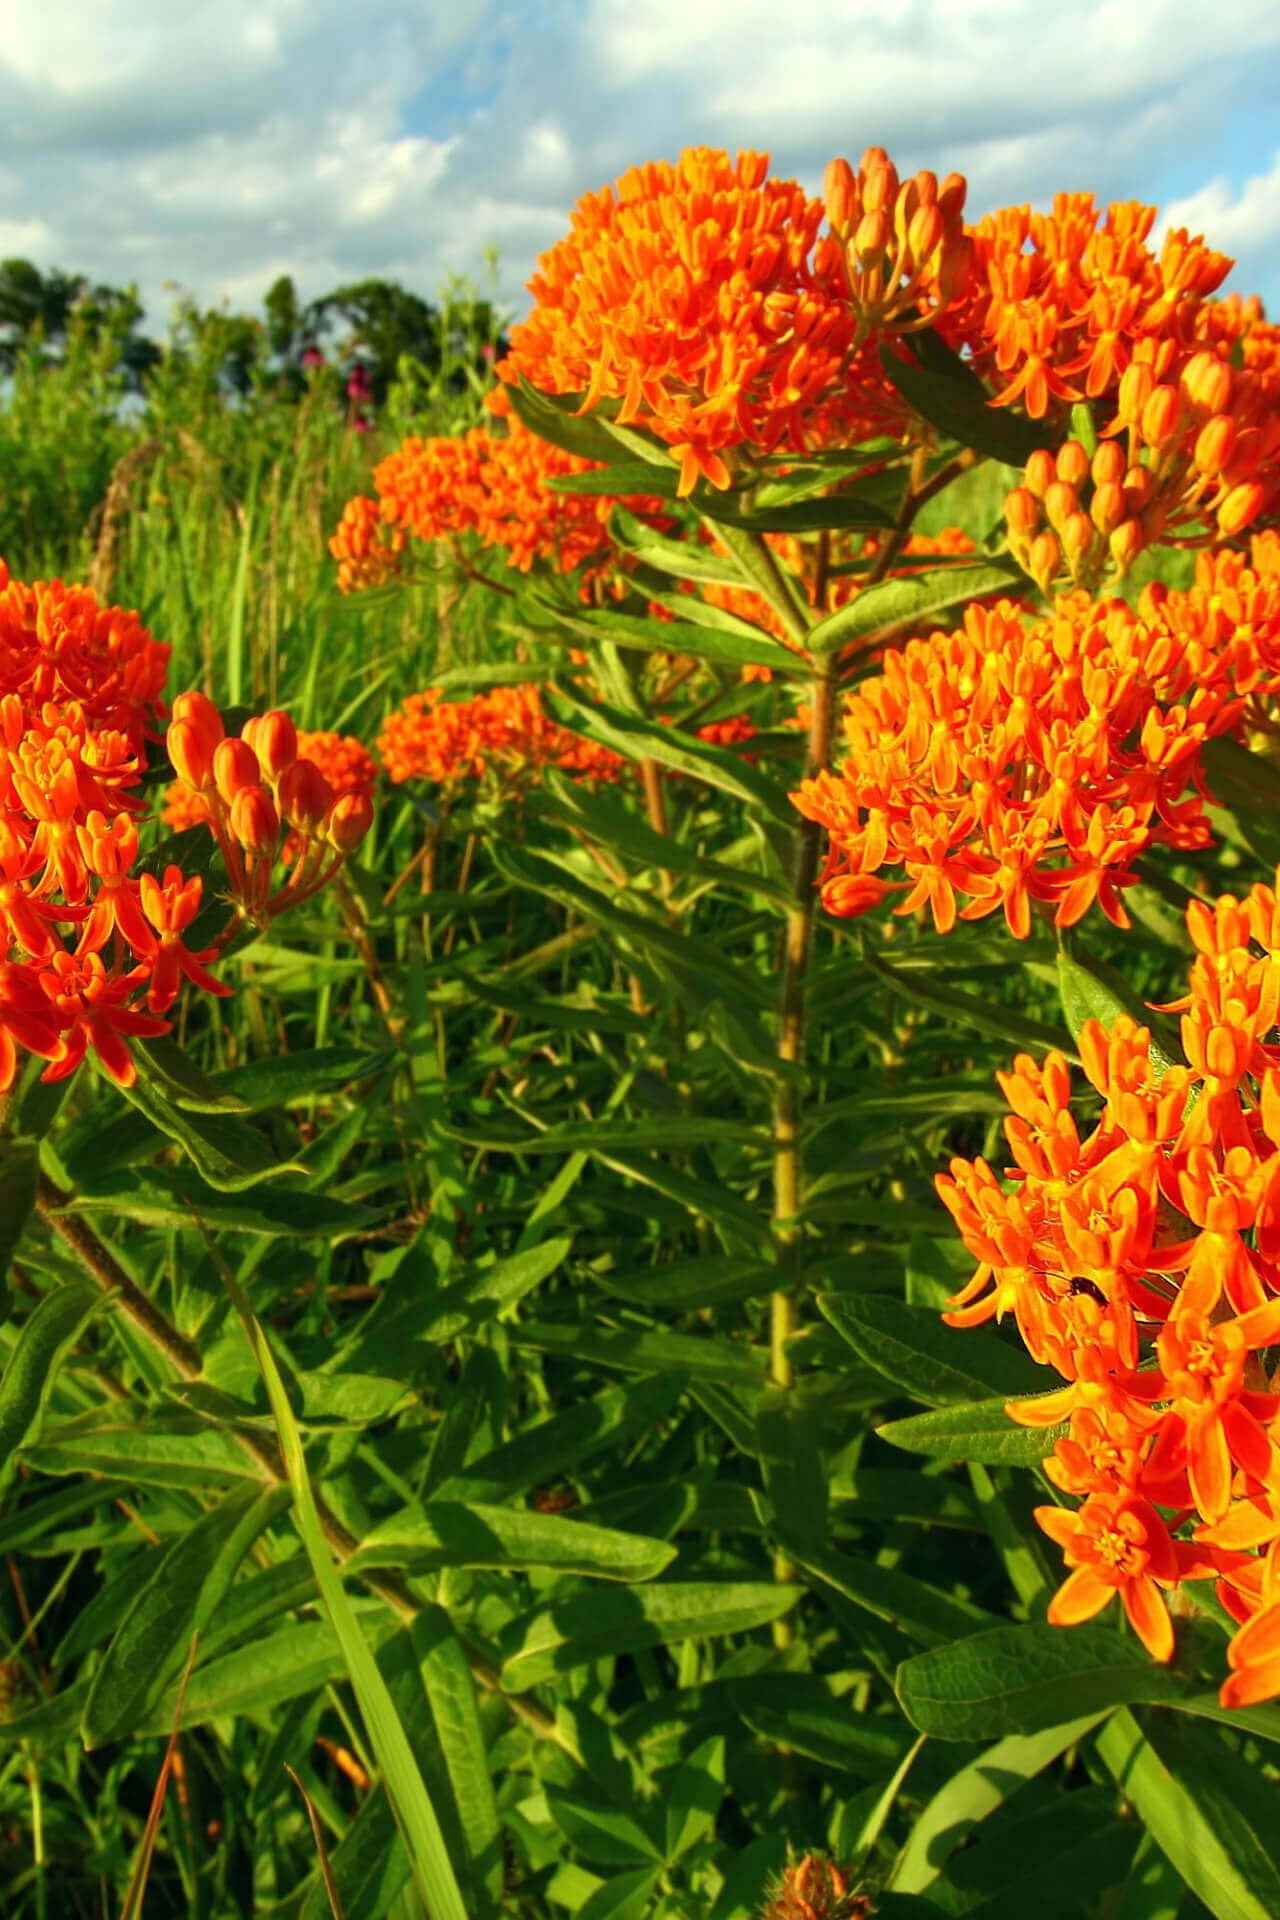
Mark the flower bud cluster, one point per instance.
(263, 800)
(901, 244)
(1141, 1261)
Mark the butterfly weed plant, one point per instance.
(641, 1131)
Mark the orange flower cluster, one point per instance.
(812, 1888)
(1070, 306)
(700, 297)
(493, 485)
(342, 760)
(1142, 1263)
(263, 800)
(1013, 762)
(93, 951)
(505, 733)
(366, 546)
(902, 245)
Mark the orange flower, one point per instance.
(505, 734)
(1142, 1263)
(1115, 1543)
(1016, 762)
(366, 546)
(698, 296)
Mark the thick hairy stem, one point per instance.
(100, 1263)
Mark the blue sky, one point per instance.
(219, 146)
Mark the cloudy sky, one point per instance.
(222, 144)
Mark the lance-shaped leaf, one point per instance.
(1092, 990)
(186, 1585)
(19, 1180)
(577, 1632)
(47, 1337)
(446, 1533)
(918, 1352)
(951, 397)
(224, 1151)
(979, 1430)
(735, 646)
(894, 606)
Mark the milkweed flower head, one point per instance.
(265, 801)
(504, 736)
(704, 300)
(1019, 761)
(1075, 305)
(492, 483)
(1141, 1260)
(813, 1888)
(91, 950)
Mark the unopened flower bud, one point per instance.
(872, 236)
(235, 765)
(1126, 543)
(840, 194)
(1241, 505)
(1107, 508)
(1072, 463)
(1138, 488)
(1108, 464)
(1207, 383)
(1215, 443)
(1022, 513)
(1040, 472)
(879, 183)
(1159, 421)
(925, 233)
(849, 894)
(1136, 386)
(951, 195)
(957, 264)
(1077, 536)
(1060, 502)
(274, 739)
(254, 820)
(1044, 560)
(193, 736)
(304, 795)
(349, 821)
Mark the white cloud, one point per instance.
(221, 145)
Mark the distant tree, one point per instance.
(284, 318)
(45, 307)
(385, 321)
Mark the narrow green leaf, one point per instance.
(951, 397)
(984, 1016)
(923, 1612)
(19, 1181)
(225, 1152)
(973, 1793)
(185, 1587)
(893, 606)
(1092, 990)
(1022, 1679)
(47, 1337)
(448, 1534)
(576, 1632)
(914, 1349)
(604, 1836)
(693, 1796)
(554, 418)
(1209, 1810)
(269, 1670)
(979, 1430)
(791, 1461)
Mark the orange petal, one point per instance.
(1080, 1596)
(1149, 1618)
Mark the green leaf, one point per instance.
(284, 1078)
(985, 1016)
(974, 1793)
(790, 1459)
(416, 1817)
(621, 479)
(297, 1659)
(918, 1352)
(689, 1356)
(893, 606)
(639, 739)
(800, 1712)
(185, 1587)
(725, 646)
(921, 1611)
(577, 1632)
(687, 559)
(448, 1534)
(952, 398)
(174, 1453)
(693, 1796)
(602, 1835)
(170, 1198)
(980, 1430)
(626, 1897)
(225, 1152)
(1022, 1679)
(1210, 1810)
(554, 417)
(550, 1448)
(180, 1081)
(1092, 990)
(833, 512)
(47, 1337)
(19, 1183)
